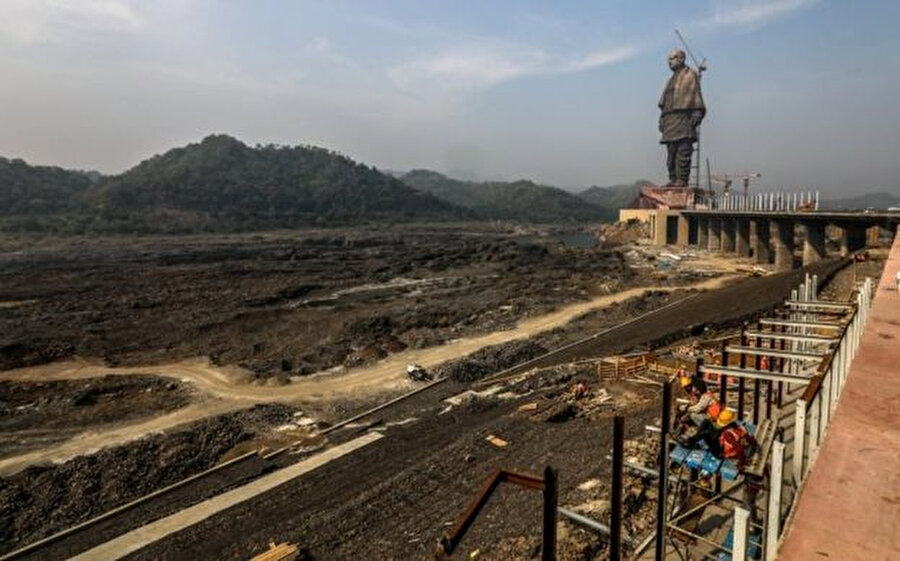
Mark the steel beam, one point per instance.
(755, 374)
(818, 304)
(757, 351)
(816, 324)
(792, 337)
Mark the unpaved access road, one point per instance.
(226, 390)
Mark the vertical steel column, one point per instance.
(663, 479)
(723, 399)
(756, 384)
(615, 517)
(773, 512)
(781, 363)
(548, 542)
(769, 385)
(723, 380)
(741, 381)
(799, 441)
(741, 524)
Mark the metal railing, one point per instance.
(813, 410)
(796, 201)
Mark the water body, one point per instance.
(580, 240)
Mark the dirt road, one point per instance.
(227, 389)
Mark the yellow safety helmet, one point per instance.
(726, 417)
(685, 381)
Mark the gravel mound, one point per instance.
(490, 360)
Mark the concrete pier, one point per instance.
(715, 233)
(767, 232)
(760, 239)
(727, 245)
(702, 232)
(742, 237)
(814, 244)
(784, 244)
(684, 231)
(853, 238)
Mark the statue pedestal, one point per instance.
(670, 197)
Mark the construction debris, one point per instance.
(497, 441)
(281, 552)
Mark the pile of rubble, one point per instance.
(621, 233)
(490, 360)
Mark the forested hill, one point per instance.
(34, 191)
(221, 184)
(516, 200)
(615, 196)
(216, 185)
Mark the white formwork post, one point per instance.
(815, 287)
(836, 374)
(845, 357)
(826, 391)
(815, 417)
(773, 512)
(799, 441)
(741, 523)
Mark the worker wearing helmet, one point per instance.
(701, 412)
(738, 445)
(736, 442)
(704, 405)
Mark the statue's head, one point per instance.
(676, 59)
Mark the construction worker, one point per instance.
(701, 412)
(738, 445)
(736, 442)
(704, 404)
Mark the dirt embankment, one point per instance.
(34, 414)
(42, 500)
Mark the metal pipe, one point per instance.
(754, 351)
(586, 522)
(794, 303)
(548, 541)
(757, 374)
(615, 516)
(804, 323)
(792, 337)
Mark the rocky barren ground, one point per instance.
(283, 303)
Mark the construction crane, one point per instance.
(746, 177)
(726, 181)
(701, 65)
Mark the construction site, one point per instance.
(172, 448)
(277, 353)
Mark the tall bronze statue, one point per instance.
(682, 109)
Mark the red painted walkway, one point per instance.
(850, 508)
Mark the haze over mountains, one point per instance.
(517, 200)
(222, 185)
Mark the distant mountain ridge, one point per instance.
(868, 200)
(614, 197)
(217, 185)
(513, 200)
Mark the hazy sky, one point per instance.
(803, 91)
